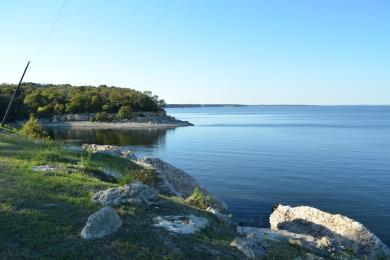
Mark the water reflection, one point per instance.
(122, 137)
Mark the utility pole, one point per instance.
(13, 96)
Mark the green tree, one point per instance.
(125, 112)
(103, 117)
(48, 100)
(32, 128)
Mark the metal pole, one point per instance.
(13, 96)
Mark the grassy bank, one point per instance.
(42, 213)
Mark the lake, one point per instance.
(335, 158)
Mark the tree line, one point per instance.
(47, 100)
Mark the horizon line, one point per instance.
(244, 105)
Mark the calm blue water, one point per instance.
(336, 158)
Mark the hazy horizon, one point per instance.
(225, 104)
(202, 52)
(235, 104)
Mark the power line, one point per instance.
(28, 63)
(52, 28)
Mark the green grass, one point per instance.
(42, 213)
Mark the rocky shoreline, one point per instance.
(317, 234)
(125, 198)
(140, 120)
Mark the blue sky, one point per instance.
(250, 52)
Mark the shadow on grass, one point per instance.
(42, 213)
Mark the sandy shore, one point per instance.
(110, 125)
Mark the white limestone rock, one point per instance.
(342, 230)
(188, 224)
(133, 193)
(104, 149)
(108, 149)
(175, 180)
(101, 223)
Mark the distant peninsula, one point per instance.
(64, 105)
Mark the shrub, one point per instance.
(146, 176)
(32, 128)
(125, 112)
(103, 117)
(198, 199)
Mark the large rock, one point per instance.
(257, 241)
(181, 224)
(101, 223)
(108, 149)
(176, 181)
(344, 231)
(133, 193)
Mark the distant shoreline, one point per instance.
(265, 105)
(114, 125)
(203, 105)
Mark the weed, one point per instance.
(146, 176)
(198, 199)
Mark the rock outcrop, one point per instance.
(138, 117)
(133, 193)
(341, 230)
(160, 117)
(73, 117)
(188, 224)
(317, 233)
(101, 223)
(108, 149)
(176, 181)
(105, 149)
(258, 241)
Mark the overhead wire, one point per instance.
(36, 54)
(43, 45)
